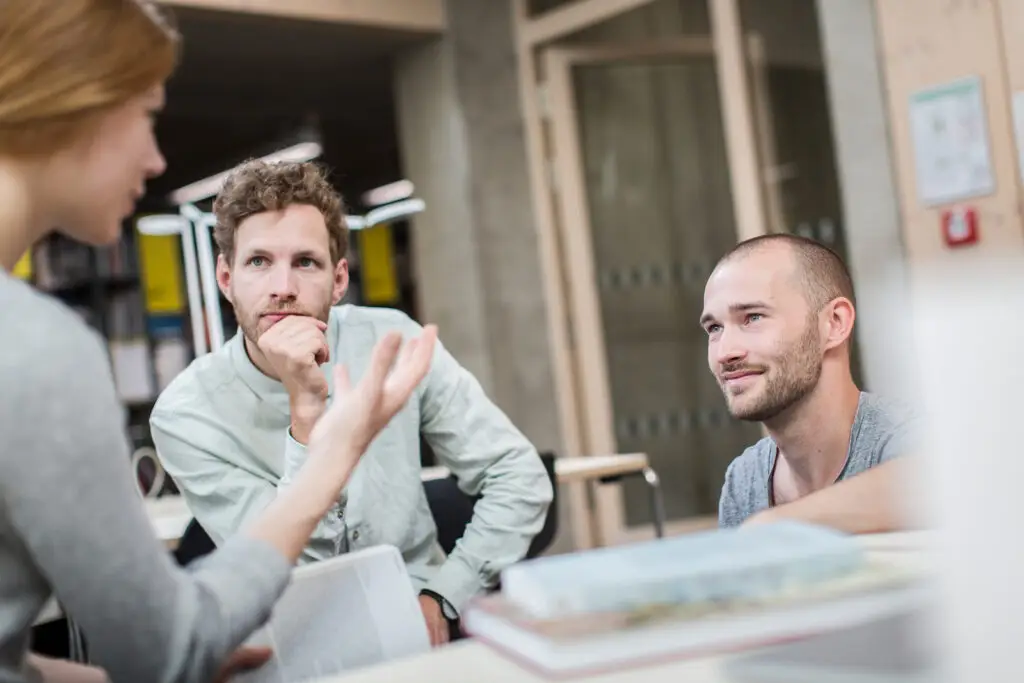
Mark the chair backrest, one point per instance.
(453, 510)
(194, 543)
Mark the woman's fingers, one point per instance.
(413, 368)
(342, 383)
(384, 353)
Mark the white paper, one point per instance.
(342, 614)
(950, 139)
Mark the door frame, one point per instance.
(559, 191)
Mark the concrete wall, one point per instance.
(478, 267)
(874, 240)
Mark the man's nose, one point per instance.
(283, 283)
(728, 350)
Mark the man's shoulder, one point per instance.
(885, 428)
(380, 319)
(753, 464)
(745, 490)
(882, 415)
(193, 387)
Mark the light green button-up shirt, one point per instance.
(221, 430)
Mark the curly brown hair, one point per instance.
(258, 186)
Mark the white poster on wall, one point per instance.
(951, 147)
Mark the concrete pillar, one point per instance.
(477, 260)
(433, 143)
(860, 124)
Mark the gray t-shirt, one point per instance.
(881, 431)
(73, 524)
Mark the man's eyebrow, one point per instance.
(748, 306)
(736, 308)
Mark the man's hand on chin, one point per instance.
(296, 346)
(437, 625)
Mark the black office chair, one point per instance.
(453, 510)
(194, 543)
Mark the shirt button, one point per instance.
(355, 535)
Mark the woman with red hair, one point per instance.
(80, 84)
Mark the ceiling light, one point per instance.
(386, 214)
(392, 192)
(208, 187)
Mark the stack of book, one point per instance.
(694, 595)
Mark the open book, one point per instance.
(339, 615)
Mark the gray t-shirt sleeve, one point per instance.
(745, 491)
(730, 509)
(68, 493)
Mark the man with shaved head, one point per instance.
(779, 314)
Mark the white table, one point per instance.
(592, 469)
(470, 661)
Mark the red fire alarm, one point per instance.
(960, 226)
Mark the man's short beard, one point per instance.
(250, 322)
(790, 380)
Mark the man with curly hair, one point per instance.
(231, 429)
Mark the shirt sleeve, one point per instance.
(226, 493)
(70, 497)
(730, 508)
(488, 455)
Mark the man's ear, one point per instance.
(224, 277)
(340, 281)
(840, 316)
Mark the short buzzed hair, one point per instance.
(824, 274)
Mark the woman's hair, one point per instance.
(65, 62)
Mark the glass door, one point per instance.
(645, 203)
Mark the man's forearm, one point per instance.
(864, 504)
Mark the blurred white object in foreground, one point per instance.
(969, 340)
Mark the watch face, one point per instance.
(446, 607)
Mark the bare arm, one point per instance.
(864, 504)
(62, 671)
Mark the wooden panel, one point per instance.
(411, 15)
(733, 88)
(571, 18)
(1011, 20)
(927, 43)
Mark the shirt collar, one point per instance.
(269, 388)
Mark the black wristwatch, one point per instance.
(447, 609)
